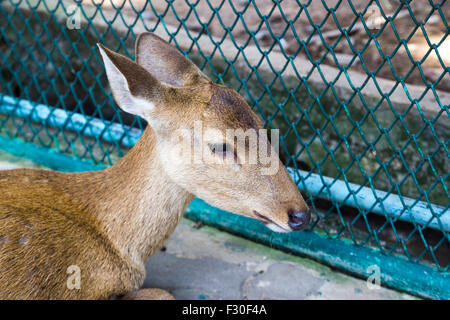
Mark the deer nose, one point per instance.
(298, 220)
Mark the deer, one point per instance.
(103, 226)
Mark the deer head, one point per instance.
(209, 141)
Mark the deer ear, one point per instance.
(135, 90)
(166, 63)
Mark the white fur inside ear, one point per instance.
(121, 91)
(142, 105)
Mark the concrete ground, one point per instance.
(205, 263)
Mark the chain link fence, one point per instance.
(360, 91)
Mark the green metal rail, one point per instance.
(380, 160)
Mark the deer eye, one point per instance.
(222, 150)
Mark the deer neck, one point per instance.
(138, 206)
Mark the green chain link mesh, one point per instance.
(294, 61)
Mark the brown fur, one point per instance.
(148, 294)
(232, 109)
(110, 222)
(50, 220)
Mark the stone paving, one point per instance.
(207, 263)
